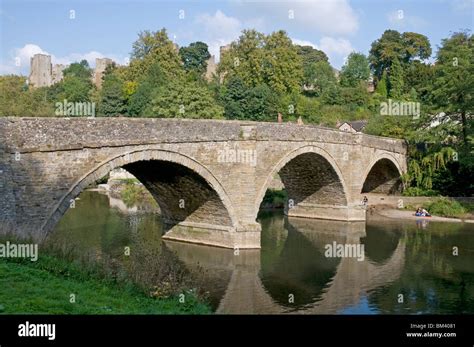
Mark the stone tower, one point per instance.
(57, 73)
(100, 66)
(40, 71)
(211, 68)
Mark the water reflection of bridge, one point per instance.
(251, 281)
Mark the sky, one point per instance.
(86, 29)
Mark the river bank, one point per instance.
(389, 212)
(55, 286)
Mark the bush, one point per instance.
(446, 208)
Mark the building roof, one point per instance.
(357, 125)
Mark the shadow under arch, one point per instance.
(310, 176)
(144, 164)
(383, 176)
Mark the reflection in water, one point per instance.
(291, 273)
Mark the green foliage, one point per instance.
(321, 78)
(195, 56)
(240, 102)
(75, 89)
(396, 80)
(453, 87)
(423, 166)
(445, 207)
(392, 45)
(263, 59)
(80, 70)
(355, 70)
(309, 56)
(381, 88)
(113, 98)
(40, 286)
(185, 99)
(154, 48)
(17, 100)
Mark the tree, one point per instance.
(185, 99)
(321, 77)
(113, 98)
(258, 59)
(195, 56)
(381, 88)
(392, 45)
(355, 70)
(282, 65)
(75, 89)
(79, 70)
(140, 100)
(233, 97)
(396, 80)
(453, 87)
(309, 56)
(154, 48)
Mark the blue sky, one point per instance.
(108, 28)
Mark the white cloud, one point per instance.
(329, 17)
(401, 19)
(331, 46)
(304, 43)
(23, 55)
(218, 30)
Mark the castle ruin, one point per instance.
(45, 74)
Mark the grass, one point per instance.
(45, 286)
(445, 207)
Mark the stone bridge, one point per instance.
(209, 177)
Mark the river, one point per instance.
(406, 267)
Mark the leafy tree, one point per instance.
(140, 100)
(259, 59)
(195, 56)
(396, 80)
(381, 88)
(79, 70)
(355, 70)
(392, 45)
(419, 76)
(233, 98)
(113, 98)
(453, 87)
(75, 89)
(283, 65)
(154, 48)
(185, 99)
(321, 77)
(17, 100)
(309, 56)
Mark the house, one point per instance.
(352, 127)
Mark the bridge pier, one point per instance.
(215, 235)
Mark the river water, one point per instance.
(404, 267)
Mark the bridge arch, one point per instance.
(383, 175)
(143, 164)
(310, 175)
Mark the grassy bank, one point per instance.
(445, 207)
(45, 287)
